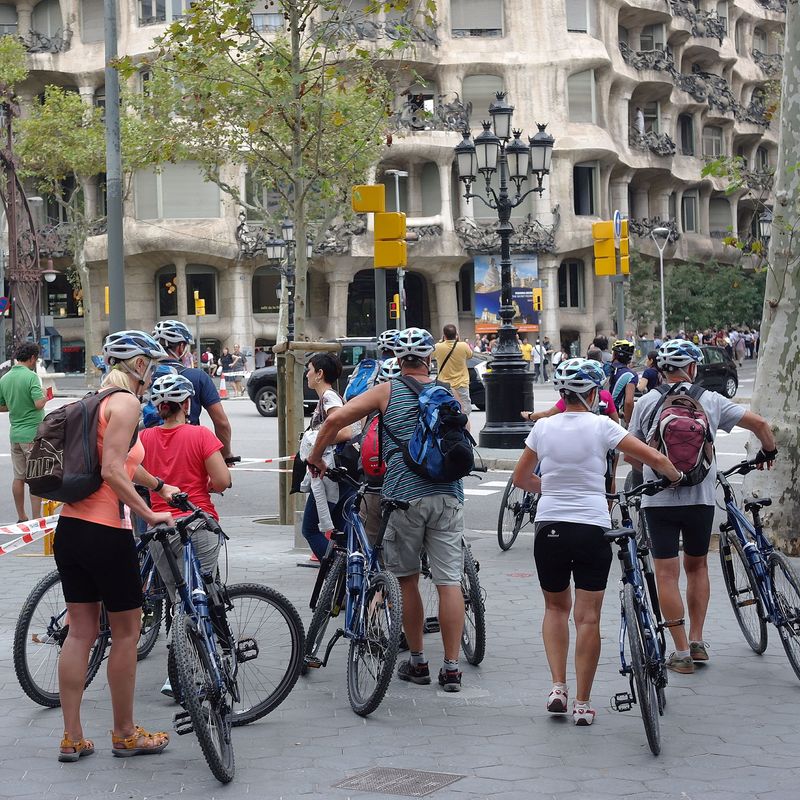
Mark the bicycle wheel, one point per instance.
(512, 515)
(430, 597)
(208, 707)
(323, 612)
(371, 659)
(152, 612)
(268, 636)
(645, 690)
(473, 637)
(786, 588)
(743, 592)
(40, 632)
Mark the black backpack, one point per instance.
(64, 464)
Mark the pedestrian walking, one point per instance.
(451, 357)
(687, 512)
(239, 368)
(539, 357)
(572, 514)
(260, 358)
(434, 519)
(95, 554)
(22, 397)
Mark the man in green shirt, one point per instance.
(22, 396)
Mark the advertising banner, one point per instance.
(524, 277)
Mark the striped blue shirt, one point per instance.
(399, 482)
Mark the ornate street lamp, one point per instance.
(765, 227)
(509, 385)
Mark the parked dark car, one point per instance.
(718, 371)
(262, 387)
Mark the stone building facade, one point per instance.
(637, 93)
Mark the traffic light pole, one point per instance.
(380, 301)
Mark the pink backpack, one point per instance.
(679, 428)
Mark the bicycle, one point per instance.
(216, 636)
(473, 637)
(517, 510)
(43, 627)
(762, 584)
(640, 621)
(352, 578)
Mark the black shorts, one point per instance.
(97, 563)
(569, 549)
(667, 523)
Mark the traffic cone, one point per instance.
(223, 390)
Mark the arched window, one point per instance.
(46, 18)
(8, 20)
(570, 284)
(581, 97)
(166, 292)
(203, 279)
(476, 18)
(480, 90)
(266, 287)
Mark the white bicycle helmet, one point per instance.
(678, 353)
(124, 345)
(389, 369)
(578, 375)
(171, 388)
(386, 341)
(172, 331)
(414, 342)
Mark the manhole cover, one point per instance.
(404, 782)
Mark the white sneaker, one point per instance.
(557, 700)
(582, 715)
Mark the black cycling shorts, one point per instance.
(667, 523)
(569, 549)
(97, 563)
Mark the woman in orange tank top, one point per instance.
(96, 556)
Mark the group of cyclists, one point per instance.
(564, 460)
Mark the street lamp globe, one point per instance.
(501, 112)
(466, 159)
(49, 274)
(487, 150)
(287, 230)
(276, 249)
(541, 152)
(518, 154)
(765, 226)
(309, 249)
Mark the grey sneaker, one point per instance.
(698, 651)
(683, 665)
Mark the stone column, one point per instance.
(445, 191)
(619, 197)
(660, 204)
(24, 12)
(413, 191)
(239, 279)
(87, 95)
(446, 311)
(338, 295)
(182, 288)
(548, 318)
(641, 202)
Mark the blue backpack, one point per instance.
(440, 448)
(363, 378)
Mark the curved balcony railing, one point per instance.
(771, 65)
(530, 236)
(359, 28)
(413, 115)
(705, 24)
(56, 240)
(644, 226)
(773, 5)
(659, 60)
(659, 143)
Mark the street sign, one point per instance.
(4, 304)
(617, 224)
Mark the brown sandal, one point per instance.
(81, 748)
(124, 746)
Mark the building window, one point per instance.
(167, 292)
(686, 128)
(431, 190)
(8, 20)
(155, 11)
(578, 15)
(266, 19)
(202, 279)
(622, 34)
(585, 183)
(672, 206)
(722, 13)
(719, 216)
(581, 97)
(762, 159)
(476, 18)
(738, 37)
(46, 18)
(759, 40)
(480, 90)
(689, 213)
(570, 284)
(261, 203)
(652, 37)
(60, 299)
(652, 117)
(92, 21)
(177, 191)
(466, 287)
(391, 193)
(712, 141)
(266, 285)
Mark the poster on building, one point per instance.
(524, 277)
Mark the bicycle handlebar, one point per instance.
(181, 501)
(748, 465)
(648, 487)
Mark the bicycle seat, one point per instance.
(754, 505)
(615, 534)
(387, 504)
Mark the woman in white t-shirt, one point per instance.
(571, 516)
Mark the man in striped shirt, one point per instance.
(434, 519)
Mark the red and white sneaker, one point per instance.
(582, 715)
(557, 700)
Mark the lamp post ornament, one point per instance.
(500, 149)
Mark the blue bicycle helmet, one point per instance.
(386, 340)
(172, 331)
(678, 353)
(389, 369)
(414, 342)
(578, 375)
(171, 388)
(124, 345)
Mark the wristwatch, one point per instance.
(159, 485)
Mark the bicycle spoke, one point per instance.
(786, 589)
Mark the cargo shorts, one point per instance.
(436, 523)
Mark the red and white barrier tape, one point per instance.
(31, 531)
(263, 461)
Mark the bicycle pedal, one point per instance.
(431, 625)
(312, 663)
(246, 650)
(182, 723)
(622, 701)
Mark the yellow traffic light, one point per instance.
(605, 254)
(390, 244)
(603, 230)
(625, 265)
(394, 307)
(369, 198)
(199, 305)
(107, 300)
(538, 303)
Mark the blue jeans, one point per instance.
(315, 538)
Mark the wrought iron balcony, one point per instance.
(355, 28)
(659, 60)
(644, 226)
(705, 24)
(463, 33)
(705, 87)
(771, 65)
(530, 236)
(773, 5)
(56, 240)
(444, 116)
(759, 180)
(659, 143)
(59, 42)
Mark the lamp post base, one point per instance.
(508, 392)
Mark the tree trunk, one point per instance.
(776, 395)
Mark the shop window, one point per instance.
(167, 292)
(266, 287)
(201, 279)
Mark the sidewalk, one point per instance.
(730, 731)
